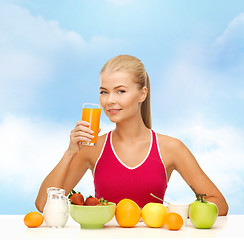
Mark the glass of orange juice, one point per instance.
(91, 113)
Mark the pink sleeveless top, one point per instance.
(115, 181)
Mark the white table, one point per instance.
(12, 227)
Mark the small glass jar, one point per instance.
(56, 210)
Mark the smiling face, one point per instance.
(120, 96)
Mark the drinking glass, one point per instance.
(91, 113)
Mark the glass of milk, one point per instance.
(56, 210)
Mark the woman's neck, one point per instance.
(131, 130)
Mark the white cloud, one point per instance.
(227, 50)
(28, 46)
(32, 52)
(22, 31)
(206, 79)
(234, 32)
(31, 148)
(219, 151)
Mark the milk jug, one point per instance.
(56, 210)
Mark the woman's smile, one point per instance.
(113, 111)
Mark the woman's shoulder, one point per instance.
(169, 142)
(171, 149)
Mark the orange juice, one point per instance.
(91, 113)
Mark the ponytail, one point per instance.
(146, 106)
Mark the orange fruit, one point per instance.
(153, 214)
(33, 219)
(127, 213)
(173, 221)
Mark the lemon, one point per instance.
(153, 214)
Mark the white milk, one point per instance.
(56, 212)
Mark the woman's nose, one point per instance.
(111, 98)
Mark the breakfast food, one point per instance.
(127, 213)
(154, 214)
(203, 214)
(92, 201)
(173, 221)
(33, 219)
(78, 199)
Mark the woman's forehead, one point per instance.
(112, 79)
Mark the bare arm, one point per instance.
(71, 167)
(186, 164)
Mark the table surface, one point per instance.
(13, 226)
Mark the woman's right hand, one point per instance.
(81, 133)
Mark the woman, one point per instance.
(132, 161)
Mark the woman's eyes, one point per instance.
(119, 91)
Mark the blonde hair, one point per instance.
(135, 67)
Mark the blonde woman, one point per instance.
(131, 161)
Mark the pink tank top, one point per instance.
(115, 181)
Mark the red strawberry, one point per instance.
(77, 199)
(92, 201)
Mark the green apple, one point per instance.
(202, 214)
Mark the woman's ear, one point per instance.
(143, 94)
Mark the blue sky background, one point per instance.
(51, 53)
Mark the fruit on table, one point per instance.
(153, 214)
(92, 201)
(33, 219)
(202, 214)
(173, 221)
(77, 199)
(127, 213)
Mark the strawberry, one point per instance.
(92, 201)
(76, 198)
